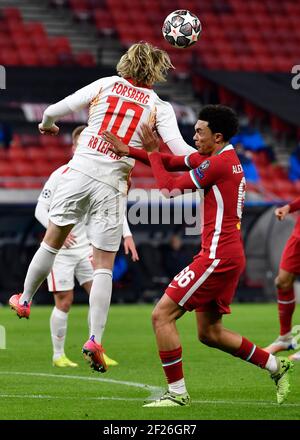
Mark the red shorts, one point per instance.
(207, 284)
(290, 259)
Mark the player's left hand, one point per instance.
(53, 131)
(282, 212)
(129, 246)
(149, 139)
(70, 240)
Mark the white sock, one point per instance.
(38, 271)
(58, 327)
(272, 364)
(89, 321)
(100, 296)
(178, 387)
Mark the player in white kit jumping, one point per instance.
(96, 182)
(72, 261)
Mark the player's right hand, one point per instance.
(52, 131)
(117, 146)
(282, 212)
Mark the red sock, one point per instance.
(286, 307)
(172, 364)
(250, 353)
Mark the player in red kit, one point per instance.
(207, 285)
(289, 269)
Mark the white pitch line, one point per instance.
(156, 392)
(45, 396)
(137, 399)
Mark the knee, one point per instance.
(159, 318)
(64, 305)
(283, 283)
(209, 337)
(156, 318)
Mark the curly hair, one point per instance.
(145, 63)
(221, 119)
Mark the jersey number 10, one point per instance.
(120, 116)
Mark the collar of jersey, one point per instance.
(144, 86)
(226, 148)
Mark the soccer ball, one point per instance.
(181, 28)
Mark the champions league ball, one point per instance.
(181, 28)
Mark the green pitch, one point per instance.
(220, 386)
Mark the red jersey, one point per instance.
(295, 206)
(222, 178)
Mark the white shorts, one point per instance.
(78, 195)
(67, 267)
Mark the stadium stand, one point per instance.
(237, 37)
(28, 44)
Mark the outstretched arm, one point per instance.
(283, 211)
(171, 162)
(71, 103)
(166, 180)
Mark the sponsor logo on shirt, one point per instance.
(204, 165)
(199, 173)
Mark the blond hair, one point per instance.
(76, 132)
(145, 64)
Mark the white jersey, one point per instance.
(82, 245)
(46, 196)
(115, 104)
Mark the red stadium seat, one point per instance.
(104, 22)
(47, 58)
(85, 59)
(36, 153)
(60, 45)
(18, 154)
(12, 14)
(7, 169)
(35, 29)
(25, 169)
(29, 139)
(28, 57)
(58, 154)
(11, 184)
(43, 167)
(9, 57)
(50, 141)
(80, 9)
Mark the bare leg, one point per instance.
(164, 318)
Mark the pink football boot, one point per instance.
(93, 353)
(23, 311)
